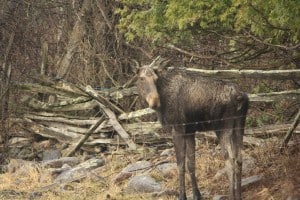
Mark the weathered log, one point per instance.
(63, 119)
(112, 118)
(86, 136)
(236, 73)
(136, 114)
(50, 132)
(142, 128)
(57, 88)
(269, 130)
(120, 94)
(275, 96)
(64, 127)
(86, 104)
(19, 142)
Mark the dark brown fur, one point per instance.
(186, 103)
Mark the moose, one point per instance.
(185, 103)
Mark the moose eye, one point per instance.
(142, 78)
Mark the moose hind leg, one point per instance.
(232, 141)
(180, 150)
(238, 146)
(190, 152)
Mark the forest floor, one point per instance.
(280, 177)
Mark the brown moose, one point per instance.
(185, 103)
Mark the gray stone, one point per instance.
(140, 165)
(294, 197)
(248, 165)
(220, 197)
(251, 180)
(79, 170)
(57, 163)
(143, 184)
(121, 177)
(51, 154)
(167, 168)
(167, 152)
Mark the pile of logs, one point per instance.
(83, 117)
(67, 113)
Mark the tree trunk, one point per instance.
(74, 41)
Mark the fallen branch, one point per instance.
(83, 139)
(290, 131)
(136, 114)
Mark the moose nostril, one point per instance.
(153, 101)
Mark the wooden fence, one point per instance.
(58, 118)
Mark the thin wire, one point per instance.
(203, 122)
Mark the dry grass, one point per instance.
(281, 174)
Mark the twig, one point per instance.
(273, 45)
(104, 15)
(171, 46)
(290, 132)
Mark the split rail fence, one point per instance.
(58, 117)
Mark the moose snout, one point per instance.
(153, 101)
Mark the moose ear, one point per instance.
(136, 66)
(159, 63)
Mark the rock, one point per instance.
(18, 164)
(167, 152)
(168, 169)
(251, 180)
(294, 197)
(56, 171)
(57, 163)
(248, 165)
(220, 197)
(51, 154)
(25, 153)
(140, 165)
(128, 171)
(79, 170)
(143, 184)
(121, 177)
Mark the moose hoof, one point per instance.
(182, 197)
(197, 196)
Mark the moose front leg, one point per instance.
(180, 150)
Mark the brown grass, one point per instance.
(280, 172)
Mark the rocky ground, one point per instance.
(151, 174)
